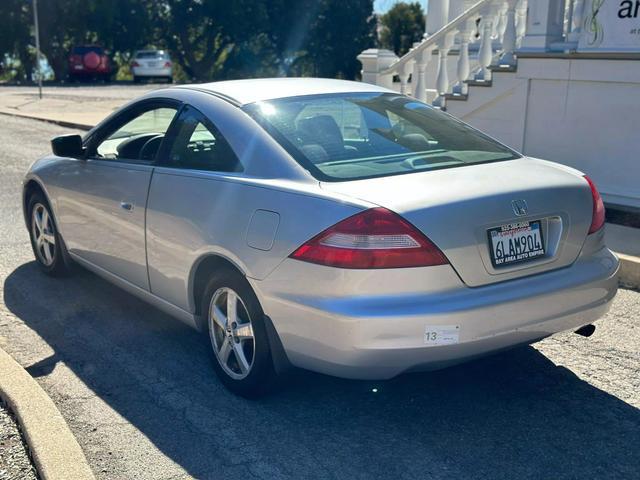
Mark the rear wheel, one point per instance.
(136, 79)
(47, 244)
(238, 337)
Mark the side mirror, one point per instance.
(67, 146)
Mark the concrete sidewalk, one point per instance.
(79, 107)
(55, 451)
(625, 241)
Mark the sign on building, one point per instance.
(610, 26)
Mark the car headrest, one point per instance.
(322, 130)
(315, 153)
(415, 142)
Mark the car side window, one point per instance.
(199, 145)
(139, 138)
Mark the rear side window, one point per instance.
(365, 135)
(199, 145)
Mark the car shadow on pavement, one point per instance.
(512, 415)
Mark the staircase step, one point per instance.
(503, 68)
(456, 96)
(478, 83)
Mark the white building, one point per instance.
(555, 79)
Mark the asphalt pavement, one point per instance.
(139, 393)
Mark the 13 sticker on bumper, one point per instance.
(435, 335)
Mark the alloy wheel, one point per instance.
(43, 234)
(231, 333)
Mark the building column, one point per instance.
(545, 25)
(437, 16)
(374, 61)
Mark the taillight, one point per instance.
(135, 64)
(597, 217)
(167, 64)
(375, 238)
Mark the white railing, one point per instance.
(481, 35)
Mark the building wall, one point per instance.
(581, 112)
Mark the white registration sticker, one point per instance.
(441, 334)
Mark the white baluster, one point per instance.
(442, 80)
(502, 21)
(485, 54)
(403, 73)
(576, 20)
(508, 58)
(521, 21)
(420, 86)
(461, 88)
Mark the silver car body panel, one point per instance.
(352, 323)
(473, 199)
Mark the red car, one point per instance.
(89, 62)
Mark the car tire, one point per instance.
(136, 79)
(239, 342)
(169, 79)
(46, 242)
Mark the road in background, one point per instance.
(138, 390)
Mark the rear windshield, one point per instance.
(85, 50)
(153, 54)
(365, 135)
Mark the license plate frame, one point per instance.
(524, 256)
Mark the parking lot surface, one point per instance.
(138, 390)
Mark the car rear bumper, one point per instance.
(371, 324)
(151, 72)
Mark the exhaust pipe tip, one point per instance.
(586, 331)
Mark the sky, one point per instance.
(382, 6)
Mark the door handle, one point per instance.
(127, 206)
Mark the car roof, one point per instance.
(243, 92)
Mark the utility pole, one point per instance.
(38, 62)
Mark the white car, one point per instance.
(151, 64)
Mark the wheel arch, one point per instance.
(200, 273)
(202, 269)
(31, 187)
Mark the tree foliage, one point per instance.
(401, 26)
(208, 39)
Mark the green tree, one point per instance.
(401, 26)
(201, 34)
(15, 38)
(337, 32)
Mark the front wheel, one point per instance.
(238, 336)
(47, 244)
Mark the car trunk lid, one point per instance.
(457, 207)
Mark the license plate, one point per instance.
(152, 64)
(516, 243)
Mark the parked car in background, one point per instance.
(89, 62)
(151, 64)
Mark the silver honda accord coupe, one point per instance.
(330, 225)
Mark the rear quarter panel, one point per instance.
(191, 215)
